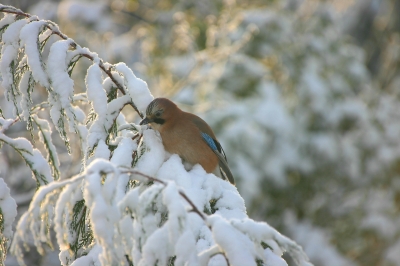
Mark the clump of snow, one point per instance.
(99, 129)
(90, 258)
(32, 157)
(9, 52)
(11, 34)
(45, 137)
(62, 84)
(7, 19)
(153, 154)
(104, 214)
(29, 41)
(239, 249)
(8, 209)
(137, 88)
(95, 91)
(24, 88)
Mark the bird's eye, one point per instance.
(158, 114)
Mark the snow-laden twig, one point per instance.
(32, 156)
(194, 208)
(32, 220)
(8, 212)
(45, 136)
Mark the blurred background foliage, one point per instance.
(302, 94)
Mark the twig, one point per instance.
(194, 208)
(134, 172)
(13, 10)
(8, 126)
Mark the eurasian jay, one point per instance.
(187, 135)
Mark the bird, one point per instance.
(189, 136)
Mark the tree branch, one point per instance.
(9, 125)
(194, 208)
(50, 26)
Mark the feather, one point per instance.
(217, 149)
(209, 140)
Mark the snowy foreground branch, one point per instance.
(132, 203)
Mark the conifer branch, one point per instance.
(49, 25)
(194, 208)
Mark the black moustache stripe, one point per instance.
(159, 121)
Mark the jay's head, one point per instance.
(159, 112)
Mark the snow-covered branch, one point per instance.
(53, 28)
(8, 212)
(131, 202)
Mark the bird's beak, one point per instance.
(145, 121)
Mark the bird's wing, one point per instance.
(217, 149)
(210, 139)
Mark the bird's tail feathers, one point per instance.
(226, 173)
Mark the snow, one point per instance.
(156, 249)
(90, 258)
(19, 234)
(273, 259)
(125, 146)
(32, 156)
(103, 213)
(8, 209)
(26, 102)
(108, 84)
(5, 124)
(86, 51)
(98, 130)
(29, 38)
(238, 248)
(181, 226)
(11, 34)
(95, 91)
(7, 19)
(36, 219)
(154, 155)
(9, 51)
(184, 249)
(61, 83)
(63, 235)
(137, 88)
(102, 150)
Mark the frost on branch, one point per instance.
(131, 203)
(33, 158)
(8, 212)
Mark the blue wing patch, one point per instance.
(210, 141)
